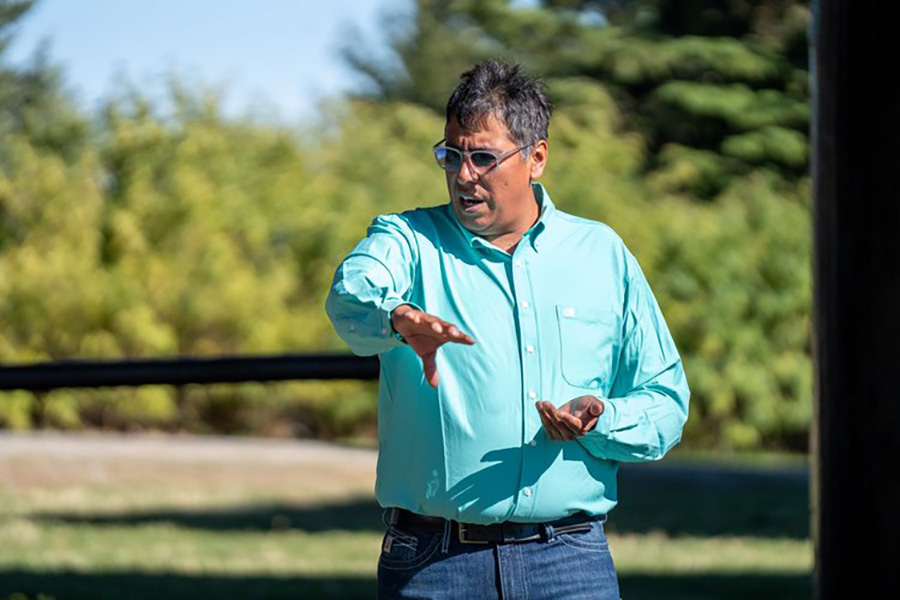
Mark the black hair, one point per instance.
(501, 89)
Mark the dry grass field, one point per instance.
(107, 516)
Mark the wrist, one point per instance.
(399, 311)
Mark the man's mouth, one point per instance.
(468, 203)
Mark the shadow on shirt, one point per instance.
(483, 489)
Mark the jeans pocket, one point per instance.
(593, 540)
(401, 549)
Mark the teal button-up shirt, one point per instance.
(568, 313)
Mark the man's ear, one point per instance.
(538, 158)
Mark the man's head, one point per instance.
(496, 109)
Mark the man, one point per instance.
(522, 357)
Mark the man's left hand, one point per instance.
(571, 420)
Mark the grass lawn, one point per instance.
(169, 518)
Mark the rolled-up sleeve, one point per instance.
(648, 403)
(374, 279)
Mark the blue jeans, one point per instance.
(435, 565)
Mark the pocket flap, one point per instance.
(586, 313)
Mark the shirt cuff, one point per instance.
(594, 441)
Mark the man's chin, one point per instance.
(474, 222)
(478, 225)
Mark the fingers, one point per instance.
(561, 424)
(429, 367)
(548, 424)
(454, 332)
(571, 423)
(556, 428)
(590, 415)
(450, 332)
(415, 322)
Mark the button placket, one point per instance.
(531, 372)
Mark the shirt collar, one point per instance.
(547, 209)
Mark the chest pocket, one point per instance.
(590, 339)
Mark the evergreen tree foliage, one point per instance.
(708, 106)
(132, 232)
(32, 99)
(718, 89)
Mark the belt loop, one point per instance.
(445, 540)
(548, 531)
(391, 516)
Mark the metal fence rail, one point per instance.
(183, 370)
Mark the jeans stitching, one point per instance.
(522, 579)
(573, 541)
(402, 565)
(580, 545)
(400, 543)
(405, 537)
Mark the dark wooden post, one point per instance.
(856, 168)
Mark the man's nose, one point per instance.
(466, 173)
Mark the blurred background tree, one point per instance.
(135, 232)
(684, 126)
(717, 89)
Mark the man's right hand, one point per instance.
(425, 334)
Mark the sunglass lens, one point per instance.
(449, 158)
(483, 160)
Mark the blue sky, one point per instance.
(280, 55)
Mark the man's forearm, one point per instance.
(370, 283)
(360, 304)
(644, 424)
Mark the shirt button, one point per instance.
(525, 304)
(353, 328)
(383, 331)
(527, 492)
(518, 263)
(532, 443)
(532, 394)
(529, 349)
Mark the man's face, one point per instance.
(500, 201)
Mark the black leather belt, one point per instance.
(500, 533)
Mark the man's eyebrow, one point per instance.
(477, 149)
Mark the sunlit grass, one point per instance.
(658, 553)
(110, 526)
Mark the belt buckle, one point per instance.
(462, 536)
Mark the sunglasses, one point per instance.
(482, 161)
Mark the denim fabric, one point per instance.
(435, 565)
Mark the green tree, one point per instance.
(684, 126)
(185, 232)
(717, 89)
(33, 100)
